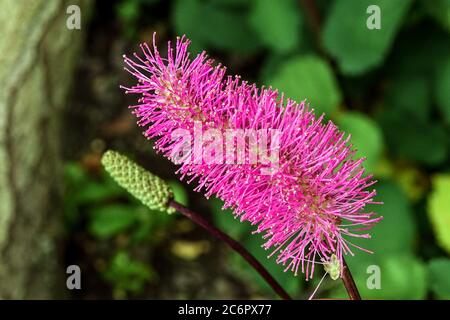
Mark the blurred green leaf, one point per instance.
(152, 225)
(439, 209)
(270, 67)
(410, 95)
(179, 193)
(420, 51)
(443, 89)
(109, 220)
(235, 3)
(146, 225)
(187, 18)
(308, 77)
(82, 190)
(397, 231)
(412, 181)
(229, 30)
(440, 10)
(406, 139)
(225, 220)
(403, 276)
(367, 137)
(277, 23)
(439, 271)
(356, 48)
(74, 175)
(209, 24)
(94, 192)
(128, 11)
(128, 274)
(74, 179)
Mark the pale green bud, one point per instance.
(151, 190)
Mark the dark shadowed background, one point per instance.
(388, 87)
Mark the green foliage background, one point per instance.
(388, 88)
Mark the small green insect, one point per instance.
(333, 267)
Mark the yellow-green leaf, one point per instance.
(439, 271)
(439, 209)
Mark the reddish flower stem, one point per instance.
(347, 277)
(349, 283)
(236, 246)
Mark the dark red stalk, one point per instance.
(236, 246)
(349, 283)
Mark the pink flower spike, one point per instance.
(293, 176)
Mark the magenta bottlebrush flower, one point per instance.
(308, 200)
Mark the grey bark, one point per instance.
(38, 55)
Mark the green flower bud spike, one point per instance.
(151, 190)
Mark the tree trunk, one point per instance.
(38, 54)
